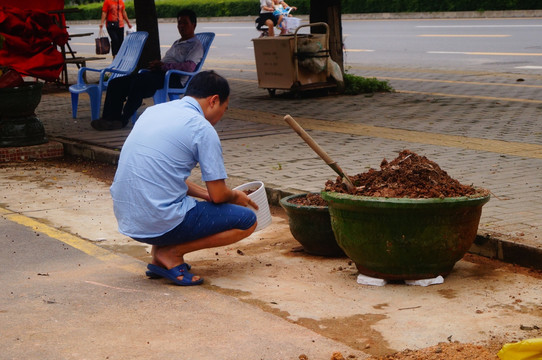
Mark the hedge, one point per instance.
(222, 8)
(203, 8)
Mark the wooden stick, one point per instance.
(321, 152)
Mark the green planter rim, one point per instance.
(284, 202)
(25, 85)
(335, 199)
(480, 196)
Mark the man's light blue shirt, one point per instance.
(149, 190)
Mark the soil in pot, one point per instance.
(410, 220)
(407, 176)
(310, 199)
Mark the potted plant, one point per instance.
(396, 237)
(19, 125)
(310, 225)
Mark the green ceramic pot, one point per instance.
(19, 125)
(20, 101)
(401, 238)
(311, 227)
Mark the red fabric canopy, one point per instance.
(31, 39)
(44, 5)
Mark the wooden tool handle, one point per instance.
(308, 139)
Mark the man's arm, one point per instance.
(183, 55)
(157, 65)
(187, 66)
(195, 190)
(220, 193)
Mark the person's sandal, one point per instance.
(173, 274)
(152, 275)
(104, 125)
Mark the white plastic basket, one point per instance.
(259, 196)
(291, 23)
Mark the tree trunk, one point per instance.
(330, 13)
(147, 20)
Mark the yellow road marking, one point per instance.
(447, 95)
(240, 70)
(467, 36)
(484, 53)
(423, 71)
(68, 239)
(502, 54)
(462, 82)
(232, 61)
(244, 80)
(439, 71)
(462, 142)
(491, 98)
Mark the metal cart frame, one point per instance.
(277, 63)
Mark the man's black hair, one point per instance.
(208, 83)
(187, 12)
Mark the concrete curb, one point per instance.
(91, 152)
(48, 150)
(501, 247)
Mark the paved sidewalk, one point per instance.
(494, 142)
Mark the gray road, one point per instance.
(503, 45)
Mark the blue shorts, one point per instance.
(204, 219)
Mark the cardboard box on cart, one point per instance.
(275, 64)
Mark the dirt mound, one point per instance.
(408, 176)
(444, 351)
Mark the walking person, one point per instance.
(114, 15)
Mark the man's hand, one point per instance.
(241, 198)
(155, 65)
(220, 193)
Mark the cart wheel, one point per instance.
(271, 92)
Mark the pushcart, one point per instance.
(287, 62)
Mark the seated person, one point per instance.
(153, 200)
(267, 17)
(281, 10)
(125, 94)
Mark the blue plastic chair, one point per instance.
(161, 95)
(124, 63)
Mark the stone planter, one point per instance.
(311, 227)
(19, 125)
(402, 238)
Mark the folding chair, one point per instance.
(123, 64)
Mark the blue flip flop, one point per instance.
(173, 273)
(153, 275)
